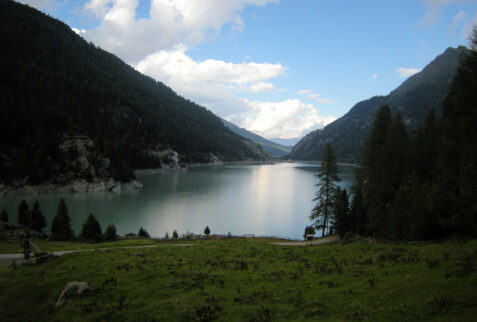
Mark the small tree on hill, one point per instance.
(60, 227)
(328, 174)
(207, 231)
(110, 233)
(143, 233)
(91, 229)
(4, 216)
(175, 235)
(166, 236)
(38, 221)
(23, 218)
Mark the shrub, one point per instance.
(110, 233)
(143, 233)
(91, 229)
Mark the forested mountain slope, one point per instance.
(269, 146)
(55, 86)
(414, 98)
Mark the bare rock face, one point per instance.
(74, 290)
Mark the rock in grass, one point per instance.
(72, 290)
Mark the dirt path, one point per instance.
(321, 241)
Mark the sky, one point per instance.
(279, 68)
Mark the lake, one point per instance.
(266, 199)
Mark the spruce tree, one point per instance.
(143, 233)
(4, 216)
(60, 227)
(342, 221)
(91, 229)
(207, 231)
(38, 221)
(327, 174)
(23, 218)
(358, 212)
(110, 233)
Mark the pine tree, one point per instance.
(38, 221)
(60, 227)
(143, 233)
(358, 212)
(175, 235)
(328, 174)
(23, 218)
(110, 233)
(342, 221)
(91, 229)
(207, 231)
(4, 216)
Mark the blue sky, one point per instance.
(278, 68)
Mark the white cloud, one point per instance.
(213, 83)
(171, 22)
(469, 27)
(287, 119)
(305, 91)
(313, 96)
(374, 76)
(434, 10)
(39, 4)
(406, 72)
(79, 31)
(261, 87)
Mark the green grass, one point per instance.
(252, 280)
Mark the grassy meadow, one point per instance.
(251, 280)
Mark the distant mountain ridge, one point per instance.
(414, 98)
(56, 89)
(269, 146)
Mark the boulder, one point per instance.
(73, 290)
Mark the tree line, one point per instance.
(412, 186)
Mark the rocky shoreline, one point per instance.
(80, 185)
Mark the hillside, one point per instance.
(267, 145)
(60, 94)
(249, 280)
(417, 95)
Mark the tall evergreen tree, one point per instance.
(4, 216)
(110, 233)
(60, 227)
(23, 218)
(358, 212)
(459, 151)
(38, 221)
(342, 220)
(327, 174)
(91, 229)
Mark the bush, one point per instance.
(60, 228)
(143, 233)
(110, 233)
(91, 229)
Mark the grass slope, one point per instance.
(253, 280)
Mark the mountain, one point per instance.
(267, 145)
(72, 110)
(286, 142)
(414, 98)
